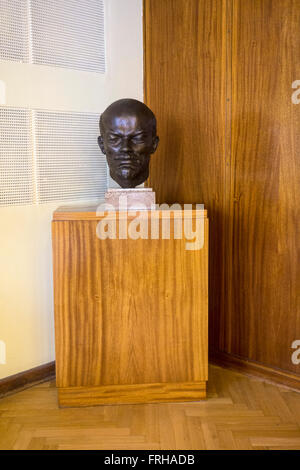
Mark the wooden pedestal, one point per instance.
(130, 315)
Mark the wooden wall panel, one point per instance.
(218, 75)
(185, 59)
(263, 278)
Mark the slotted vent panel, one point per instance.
(69, 162)
(68, 33)
(16, 166)
(14, 30)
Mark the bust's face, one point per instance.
(127, 140)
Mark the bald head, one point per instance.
(126, 107)
(128, 138)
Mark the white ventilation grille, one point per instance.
(68, 33)
(49, 156)
(16, 165)
(14, 38)
(69, 162)
(62, 33)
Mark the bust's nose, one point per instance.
(125, 145)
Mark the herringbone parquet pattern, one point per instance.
(240, 413)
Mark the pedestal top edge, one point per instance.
(90, 213)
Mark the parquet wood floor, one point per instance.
(240, 413)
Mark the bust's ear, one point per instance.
(155, 143)
(101, 145)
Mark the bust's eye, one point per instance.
(138, 139)
(114, 139)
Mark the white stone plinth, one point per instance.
(131, 199)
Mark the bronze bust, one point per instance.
(128, 138)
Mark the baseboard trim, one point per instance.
(255, 369)
(28, 378)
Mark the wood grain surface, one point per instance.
(185, 70)
(128, 311)
(123, 394)
(218, 75)
(263, 278)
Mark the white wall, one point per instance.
(26, 297)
